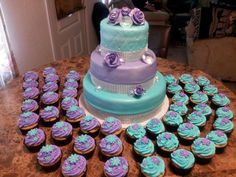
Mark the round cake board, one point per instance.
(126, 119)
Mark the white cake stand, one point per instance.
(126, 119)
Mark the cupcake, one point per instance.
(155, 127)
(34, 139)
(29, 106)
(52, 78)
(111, 146)
(172, 120)
(49, 157)
(135, 131)
(173, 89)
(143, 147)
(219, 138)
(73, 75)
(197, 118)
(69, 92)
(199, 97)
(170, 79)
(62, 132)
(111, 125)
(116, 166)
(191, 88)
(67, 102)
(84, 144)
(180, 97)
(28, 121)
(167, 142)
(153, 166)
(49, 70)
(203, 149)
(71, 83)
(204, 109)
(210, 90)
(28, 83)
(50, 99)
(49, 115)
(31, 75)
(180, 108)
(74, 165)
(224, 112)
(182, 161)
(220, 100)
(188, 132)
(185, 78)
(90, 125)
(202, 81)
(223, 124)
(74, 114)
(50, 87)
(31, 93)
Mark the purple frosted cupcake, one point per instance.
(111, 125)
(116, 166)
(31, 93)
(73, 75)
(28, 83)
(69, 92)
(74, 114)
(30, 106)
(71, 83)
(89, 124)
(50, 99)
(52, 78)
(84, 145)
(67, 102)
(50, 87)
(49, 157)
(49, 115)
(34, 139)
(111, 146)
(28, 121)
(49, 70)
(75, 165)
(31, 75)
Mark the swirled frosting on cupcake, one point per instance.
(49, 112)
(74, 165)
(136, 131)
(167, 141)
(218, 137)
(52, 78)
(31, 93)
(49, 155)
(73, 75)
(29, 105)
(202, 81)
(116, 167)
(220, 99)
(111, 145)
(30, 83)
(111, 125)
(49, 70)
(203, 147)
(34, 137)
(224, 112)
(61, 129)
(50, 87)
(210, 90)
(67, 102)
(75, 112)
(223, 124)
(50, 98)
(179, 107)
(31, 75)
(153, 166)
(183, 159)
(180, 97)
(173, 118)
(170, 79)
(196, 118)
(71, 83)
(89, 123)
(144, 146)
(27, 119)
(174, 88)
(69, 92)
(186, 78)
(199, 97)
(84, 143)
(203, 108)
(155, 126)
(191, 87)
(188, 130)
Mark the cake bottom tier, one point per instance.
(123, 104)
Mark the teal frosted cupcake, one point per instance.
(180, 108)
(191, 88)
(182, 161)
(188, 132)
(144, 147)
(224, 112)
(173, 89)
(153, 166)
(202, 81)
(197, 119)
(204, 109)
(199, 97)
(170, 79)
(224, 125)
(172, 120)
(135, 131)
(219, 138)
(155, 127)
(220, 100)
(185, 78)
(180, 97)
(210, 90)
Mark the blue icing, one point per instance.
(203, 147)
(223, 124)
(197, 118)
(186, 78)
(220, 99)
(155, 126)
(210, 89)
(224, 112)
(170, 79)
(188, 130)
(144, 146)
(180, 97)
(183, 159)
(218, 137)
(174, 88)
(136, 131)
(167, 141)
(199, 97)
(179, 107)
(202, 81)
(173, 118)
(191, 87)
(203, 108)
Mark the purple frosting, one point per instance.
(74, 165)
(27, 119)
(34, 137)
(110, 145)
(52, 78)
(69, 92)
(75, 112)
(50, 97)
(88, 123)
(115, 16)
(84, 143)
(49, 70)
(137, 16)
(71, 83)
(49, 112)
(31, 75)
(67, 102)
(31, 93)
(112, 60)
(29, 105)
(48, 155)
(116, 167)
(73, 75)
(30, 83)
(111, 125)
(61, 129)
(50, 87)
(125, 11)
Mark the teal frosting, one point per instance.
(182, 158)
(186, 78)
(180, 97)
(170, 79)
(203, 108)
(210, 89)
(144, 146)
(191, 87)
(153, 166)
(188, 130)
(223, 124)
(197, 118)
(202, 81)
(220, 99)
(167, 141)
(179, 107)
(174, 88)
(224, 112)
(173, 118)
(136, 131)
(203, 147)
(199, 97)
(218, 137)
(155, 126)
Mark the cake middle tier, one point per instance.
(133, 72)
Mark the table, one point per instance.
(16, 161)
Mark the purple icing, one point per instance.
(116, 167)
(50, 87)
(49, 70)
(73, 75)
(69, 92)
(28, 119)
(137, 16)
(184, 153)
(49, 112)
(75, 112)
(112, 60)
(84, 143)
(31, 93)
(167, 136)
(30, 83)
(219, 133)
(50, 97)
(29, 105)
(110, 145)
(31, 75)
(206, 142)
(225, 109)
(67, 102)
(34, 137)
(115, 16)
(71, 83)
(111, 125)
(61, 129)
(125, 11)
(52, 78)
(88, 123)
(224, 121)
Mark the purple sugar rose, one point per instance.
(206, 142)
(137, 16)
(219, 133)
(125, 11)
(138, 91)
(115, 16)
(184, 153)
(112, 60)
